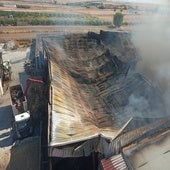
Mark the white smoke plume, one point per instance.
(137, 105)
(152, 40)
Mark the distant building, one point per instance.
(10, 16)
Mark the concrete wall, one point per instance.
(1, 74)
(1, 88)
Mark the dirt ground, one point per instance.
(29, 32)
(60, 7)
(17, 58)
(8, 33)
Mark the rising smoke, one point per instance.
(152, 40)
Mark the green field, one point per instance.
(35, 18)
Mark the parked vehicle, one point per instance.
(7, 70)
(5, 73)
(22, 124)
(22, 118)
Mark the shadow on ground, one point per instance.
(25, 155)
(5, 126)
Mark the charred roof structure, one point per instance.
(97, 102)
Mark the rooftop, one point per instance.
(94, 89)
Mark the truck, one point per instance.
(22, 124)
(5, 72)
(22, 118)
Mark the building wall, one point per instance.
(1, 74)
(155, 155)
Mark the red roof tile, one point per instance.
(114, 163)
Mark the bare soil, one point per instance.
(8, 33)
(9, 154)
(30, 32)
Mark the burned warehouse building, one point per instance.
(99, 106)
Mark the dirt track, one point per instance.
(8, 155)
(29, 32)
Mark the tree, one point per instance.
(118, 19)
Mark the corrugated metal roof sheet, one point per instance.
(115, 162)
(74, 117)
(139, 134)
(113, 147)
(152, 153)
(89, 91)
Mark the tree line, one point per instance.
(35, 18)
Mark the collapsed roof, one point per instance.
(93, 88)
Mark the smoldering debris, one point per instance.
(152, 38)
